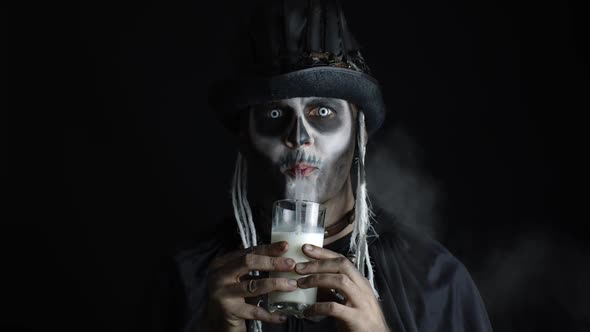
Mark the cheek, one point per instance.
(269, 147)
(334, 174)
(337, 148)
(336, 145)
(341, 163)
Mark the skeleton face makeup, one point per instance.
(310, 136)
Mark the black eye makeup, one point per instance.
(323, 114)
(325, 117)
(271, 120)
(274, 113)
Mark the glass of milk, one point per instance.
(297, 222)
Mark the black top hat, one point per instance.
(299, 48)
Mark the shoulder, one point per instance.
(436, 285)
(185, 269)
(193, 257)
(178, 286)
(415, 250)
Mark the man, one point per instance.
(305, 105)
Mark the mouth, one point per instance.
(302, 169)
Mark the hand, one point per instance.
(227, 307)
(360, 310)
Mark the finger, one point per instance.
(340, 264)
(252, 312)
(319, 252)
(332, 281)
(240, 266)
(253, 288)
(332, 309)
(274, 249)
(329, 295)
(348, 292)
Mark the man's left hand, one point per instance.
(360, 311)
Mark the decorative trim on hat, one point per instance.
(353, 61)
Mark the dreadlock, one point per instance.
(358, 241)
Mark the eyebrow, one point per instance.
(269, 105)
(319, 101)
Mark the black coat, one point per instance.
(422, 287)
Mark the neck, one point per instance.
(336, 208)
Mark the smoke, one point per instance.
(531, 280)
(537, 273)
(398, 186)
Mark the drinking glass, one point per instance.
(297, 222)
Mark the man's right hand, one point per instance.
(227, 309)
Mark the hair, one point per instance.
(359, 247)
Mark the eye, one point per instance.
(275, 113)
(322, 112)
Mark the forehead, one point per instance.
(303, 102)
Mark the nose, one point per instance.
(297, 135)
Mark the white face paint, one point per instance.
(310, 136)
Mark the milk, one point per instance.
(296, 241)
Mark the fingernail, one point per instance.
(283, 245)
(289, 261)
(292, 283)
(300, 266)
(307, 247)
(282, 318)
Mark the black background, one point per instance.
(118, 159)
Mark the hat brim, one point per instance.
(228, 98)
